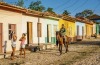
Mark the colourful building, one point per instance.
(89, 29)
(84, 28)
(96, 19)
(70, 27)
(40, 29)
(80, 29)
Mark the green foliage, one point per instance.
(84, 13)
(50, 10)
(20, 3)
(79, 15)
(36, 6)
(65, 12)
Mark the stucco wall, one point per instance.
(8, 17)
(70, 27)
(80, 28)
(89, 30)
(44, 22)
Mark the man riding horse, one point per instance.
(63, 33)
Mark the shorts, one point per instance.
(13, 45)
(23, 46)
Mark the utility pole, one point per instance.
(38, 34)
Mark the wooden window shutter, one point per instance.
(39, 33)
(12, 27)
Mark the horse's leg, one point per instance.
(65, 44)
(68, 41)
(60, 48)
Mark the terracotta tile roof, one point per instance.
(36, 13)
(67, 18)
(84, 20)
(93, 17)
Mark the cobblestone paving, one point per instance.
(79, 54)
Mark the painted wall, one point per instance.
(89, 30)
(44, 22)
(70, 27)
(8, 17)
(97, 27)
(94, 28)
(80, 32)
(52, 32)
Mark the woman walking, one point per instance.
(13, 40)
(22, 45)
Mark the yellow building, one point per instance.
(89, 30)
(70, 27)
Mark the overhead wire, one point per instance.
(80, 5)
(56, 8)
(70, 5)
(96, 7)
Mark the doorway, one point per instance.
(48, 33)
(1, 37)
(29, 33)
(82, 32)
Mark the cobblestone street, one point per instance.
(81, 53)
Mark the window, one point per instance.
(11, 28)
(39, 33)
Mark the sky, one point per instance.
(73, 6)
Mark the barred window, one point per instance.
(11, 28)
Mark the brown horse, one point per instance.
(62, 40)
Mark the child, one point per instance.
(13, 40)
(22, 39)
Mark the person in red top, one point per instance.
(22, 45)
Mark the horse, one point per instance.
(62, 40)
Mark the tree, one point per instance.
(65, 12)
(50, 10)
(79, 15)
(87, 13)
(84, 13)
(36, 6)
(20, 3)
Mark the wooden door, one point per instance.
(29, 33)
(48, 33)
(82, 31)
(39, 30)
(87, 30)
(0, 37)
(77, 30)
